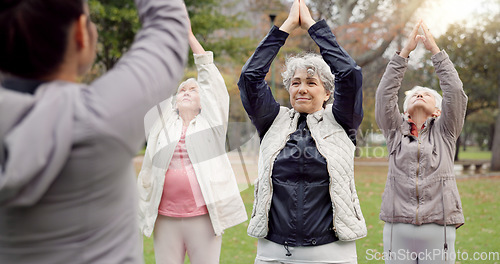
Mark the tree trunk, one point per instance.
(490, 137)
(495, 150)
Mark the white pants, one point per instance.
(419, 244)
(174, 236)
(338, 252)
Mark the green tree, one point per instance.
(367, 28)
(117, 23)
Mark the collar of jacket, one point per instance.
(406, 126)
(318, 115)
(192, 122)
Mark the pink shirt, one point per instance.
(182, 195)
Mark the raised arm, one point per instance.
(147, 74)
(214, 97)
(387, 112)
(348, 96)
(454, 103)
(255, 93)
(193, 42)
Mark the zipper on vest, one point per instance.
(273, 157)
(416, 180)
(300, 201)
(329, 184)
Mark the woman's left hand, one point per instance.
(306, 20)
(293, 20)
(428, 40)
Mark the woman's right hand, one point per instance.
(412, 41)
(428, 40)
(293, 20)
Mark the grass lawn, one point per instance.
(372, 152)
(474, 153)
(479, 234)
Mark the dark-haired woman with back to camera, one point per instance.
(67, 185)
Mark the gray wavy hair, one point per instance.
(437, 97)
(313, 63)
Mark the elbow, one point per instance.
(247, 75)
(354, 74)
(351, 70)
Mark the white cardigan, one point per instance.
(205, 144)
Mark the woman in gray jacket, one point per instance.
(421, 205)
(67, 192)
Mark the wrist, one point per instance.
(404, 53)
(435, 51)
(287, 26)
(309, 23)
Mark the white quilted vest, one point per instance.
(334, 144)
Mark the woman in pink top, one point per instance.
(187, 189)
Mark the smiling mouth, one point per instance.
(302, 99)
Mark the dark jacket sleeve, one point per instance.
(348, 96)
(255, 93)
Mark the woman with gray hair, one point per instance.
(421, 206)
(306, 208)
(188, 193)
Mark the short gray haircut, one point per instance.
(437, 97)
(313, 63)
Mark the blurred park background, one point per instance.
(371, 31)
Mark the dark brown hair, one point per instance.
(34, 35)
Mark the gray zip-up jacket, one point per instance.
(67, 184)
(421, 186)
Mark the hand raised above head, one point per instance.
(293, 20)
(411, 42)
(306, 20)
(428, 40)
